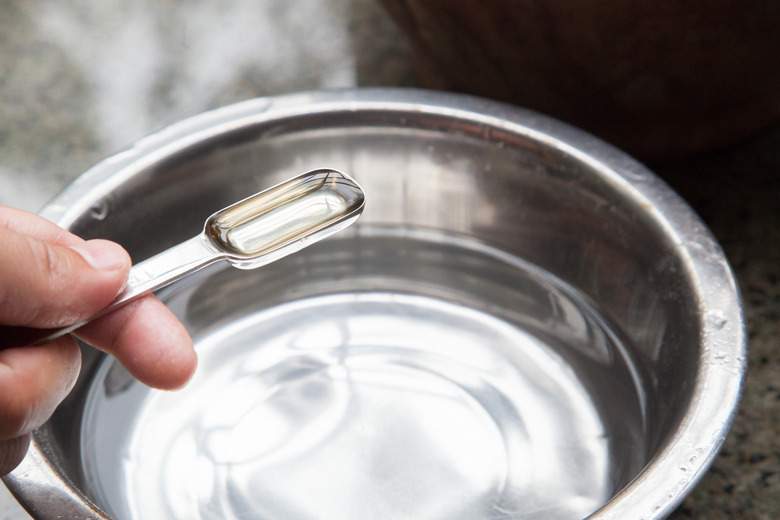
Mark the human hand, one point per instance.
(52, 278)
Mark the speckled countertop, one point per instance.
(81, 80)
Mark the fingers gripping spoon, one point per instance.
(248, 234)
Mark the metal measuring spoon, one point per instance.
(248, 234)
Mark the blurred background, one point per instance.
(694, 93)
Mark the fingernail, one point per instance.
(103, 255)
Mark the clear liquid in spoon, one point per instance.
(284, 214)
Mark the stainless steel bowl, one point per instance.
(525, 323)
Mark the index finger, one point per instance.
(149, 341)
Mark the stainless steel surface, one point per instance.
(251, 233)
(525, 323)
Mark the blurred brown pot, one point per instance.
(656, 78)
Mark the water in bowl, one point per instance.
(393, 373)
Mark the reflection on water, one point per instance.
(376, 405)
(437, 380)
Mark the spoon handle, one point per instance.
(145, 277)
(163, 269)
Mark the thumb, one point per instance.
(46, 285)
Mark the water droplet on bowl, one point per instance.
(99, 210)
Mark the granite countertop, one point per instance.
(81, 81)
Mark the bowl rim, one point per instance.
(683, 458)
